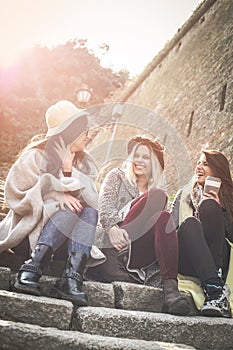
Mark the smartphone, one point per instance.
(212, 184)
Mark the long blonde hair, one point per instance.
(37, 141)
(156, 179)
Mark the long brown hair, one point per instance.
(221, 168)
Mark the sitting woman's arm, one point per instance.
(64, 199)
(108, 198)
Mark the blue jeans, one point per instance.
(78, 228)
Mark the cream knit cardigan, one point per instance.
(23, 194)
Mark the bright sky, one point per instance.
(135, 30)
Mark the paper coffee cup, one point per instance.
(212, 184)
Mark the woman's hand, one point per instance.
(118, 237)
(65, 199)
(65, 155)
(213, 195)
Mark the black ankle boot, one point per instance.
(174, 303)
(69, 287)
(31, 271)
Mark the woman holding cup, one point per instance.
(203, 212)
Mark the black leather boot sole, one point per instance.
(26, 288)
(79, 300)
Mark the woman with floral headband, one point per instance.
(52, 199)
(132, 216)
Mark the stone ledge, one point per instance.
(5, 275)
(43, 311)
(99, 294)
(21, 336)
(120, 295)
(200, 332)
(129, 296)
(205, 333)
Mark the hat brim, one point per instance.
(155, 145)
(58, 129)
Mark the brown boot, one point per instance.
(174, 303)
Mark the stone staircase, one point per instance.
(119, 316)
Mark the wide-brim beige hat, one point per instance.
(60, 115)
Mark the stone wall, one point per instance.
(185, 95)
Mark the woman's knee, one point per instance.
(152, 197)
(90, 211)
(62, 217)
(190, 226)
(209, 206)
(90, 215)
(165, 222)
(156, 198)
(157, 193)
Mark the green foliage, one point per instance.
(171, 197)
(42, 77)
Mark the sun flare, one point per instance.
(10, 55)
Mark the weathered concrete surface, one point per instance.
(202, 332)
(99, 294)
(20, 336)
(129, 296)
(130, 323)
(137, 297)
(5, 274)
(46, 312)
(118, 295)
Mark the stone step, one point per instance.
(121, 310)
(118, 295)
(43, 311)
(21, 336)
(199, 332)
(204, 333)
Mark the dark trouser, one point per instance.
(202, 245)
(153, 238)
(152, 233)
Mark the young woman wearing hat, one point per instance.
(132, 216)
(205, 235)
(52, 200)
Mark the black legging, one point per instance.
(202, 245)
